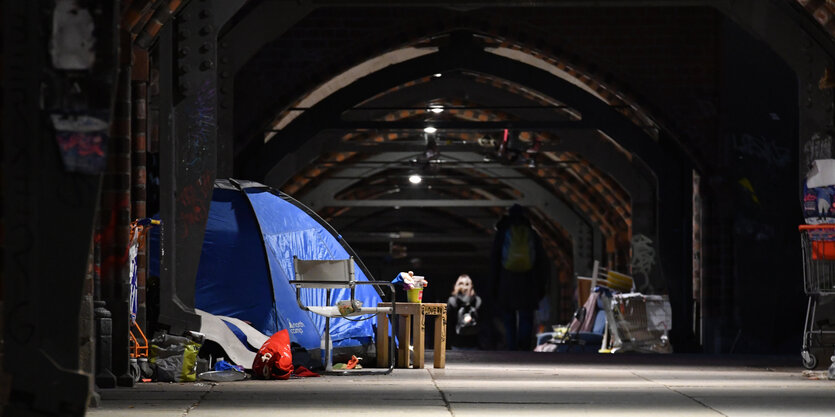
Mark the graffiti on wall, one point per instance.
(200, 126)
(643, 260)
(193, 202)
(82, 141)
(193, 198)
(818, 147)
(767, 150)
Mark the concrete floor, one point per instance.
(476, 383)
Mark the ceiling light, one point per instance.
(429, 129)
(415, 179)
(437, 75)
(434, 108)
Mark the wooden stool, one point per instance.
(412, 315)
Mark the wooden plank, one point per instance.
(404, 341)
(418, 328)
(382, 340)
(583, 290)
(433, 309)
(404, 308)
(440, 340)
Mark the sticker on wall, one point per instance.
(71, 43)
(82, 141)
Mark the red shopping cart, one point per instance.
(818, 243)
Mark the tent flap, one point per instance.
(294, 233)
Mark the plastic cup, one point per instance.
(415, 295)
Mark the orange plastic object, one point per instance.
(821, 239)
(823, 250)
(352, 363)
(137, 349)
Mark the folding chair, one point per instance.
(615, 281)
(330, 274)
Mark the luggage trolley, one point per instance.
(138, 343)
(818, 243)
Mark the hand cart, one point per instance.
(138, 343)
(818, 244)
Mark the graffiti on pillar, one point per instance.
(114, 252)
(643, 259)
(82, 141)
(197, 158)
(191, 200)
(762, 148)
(201, 124)
(818, 147)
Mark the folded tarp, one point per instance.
(238, 339)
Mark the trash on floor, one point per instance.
(174, 358)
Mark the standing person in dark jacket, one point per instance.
(464, 305)
(519, 267)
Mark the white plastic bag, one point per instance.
(821, 174)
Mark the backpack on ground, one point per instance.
(518, 249)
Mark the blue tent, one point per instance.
(252, 234)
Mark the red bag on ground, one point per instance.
(275, 359)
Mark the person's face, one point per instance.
(465, 284)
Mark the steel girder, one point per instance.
(468, 57)
(262, 24)
(784, 25)
(50, 204)
(632, 174)
(454, 86)
(578, 226)
(188, 151)
(326, 113)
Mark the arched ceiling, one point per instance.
(603, 174)
(363, 137)
(610, 171)
(625, 105)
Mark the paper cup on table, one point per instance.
(415, 295)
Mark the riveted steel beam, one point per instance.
(435, 202)
(631, 173)
(462, 53)
(188, 150)
(50, 198)
(418, 237)
(533, 195)
(466, 125)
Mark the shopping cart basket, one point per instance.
(818, 243)
(639, 323)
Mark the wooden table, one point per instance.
(412, 323)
